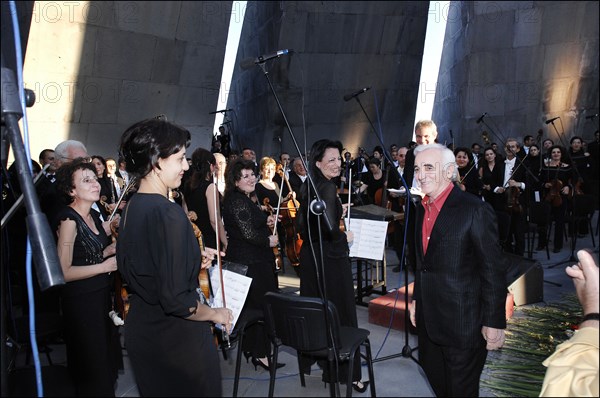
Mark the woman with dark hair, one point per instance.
(107, 193)
(202, 198)
(556, 178)
(167, 331)
(468, 178)
(86, 258)
(334, 275)
(250, 243)
(491, 177)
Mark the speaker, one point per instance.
(525, 279)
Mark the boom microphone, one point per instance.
(221, 111)
(250, 62)
(481, 118)
(551, 120)
(348, 97)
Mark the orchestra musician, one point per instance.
(335, 276)
(251, 243)
(168, 333)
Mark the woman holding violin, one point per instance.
(335, 276)
(87, 258)
(251, 243)
(376, 182)
(468, 178)
(168, 331)
(201, 198)
(556, 177)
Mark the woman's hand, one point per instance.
(223, 316)
(273, 240)
(110, 264)
(345, 209)
(208, 255)
(110, 250)
(350, 236)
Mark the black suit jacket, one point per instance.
(460, 283)
(295, 182)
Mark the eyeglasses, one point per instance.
(84, 160)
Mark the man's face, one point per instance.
(48, 158)
(425, 135)
(247, 154)
(432, 175)
(402, 156)
(299, 168)
(111, 167)
(511, 148)
(285, 158)
(72, 154)
(476, 149)
(547, 144)
(528, 141)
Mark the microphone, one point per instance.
(551, 120)
(221, 111)
(250, 62)
(348, 97)
(592, 116)
(481, 118)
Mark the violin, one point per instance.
(203, 277)
(121, 298)
(512, 200)
(553, 195)
(293, 242)
(276, 249)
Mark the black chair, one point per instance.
(237, 337)
(539, 216)
(300, 323)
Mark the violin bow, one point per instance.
(277, 212)
(219, 262)
(127, 188)
(467, 173)
(347, 222)
(521, 161)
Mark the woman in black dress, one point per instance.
(86, 258)
(556, 177)
(250, 243)
(491, 177)
(202, 198)
(468, 178)
(167, 332)
(336, 276)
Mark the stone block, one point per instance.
(382, 308)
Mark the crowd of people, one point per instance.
(134, 217)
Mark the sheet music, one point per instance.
(369, 238)
(236, 291)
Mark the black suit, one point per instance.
(295, 181)
(460, 286)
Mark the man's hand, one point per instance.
(585, 279)
(494, 337)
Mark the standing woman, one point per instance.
(468, 179)
(491, 178)
(167, 333)
(336, 279)
(200, 197)
(556, 177)
(266, 187)
(250, 243)
(86, 258)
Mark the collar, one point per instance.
(440, 200)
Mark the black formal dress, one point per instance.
(561, 176)
(494, 179)
(336, 280)
(159, 258)
(196, 201)
(246, 226)
(93, 346)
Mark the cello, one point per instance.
(293, 242)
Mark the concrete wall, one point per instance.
(523, 63)
(98, 67)
(340, 47)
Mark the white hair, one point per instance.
(448, 158)
(62, 149)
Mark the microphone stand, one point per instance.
(407, 350)
(317, 207)
(559, 135)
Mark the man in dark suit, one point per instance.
(297, 175)
(460, 282)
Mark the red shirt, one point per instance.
(432, 210)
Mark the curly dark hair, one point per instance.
(318, 151)
(64, 177)
(143, 143)
(233, 173)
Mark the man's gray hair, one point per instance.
(448, 158)
(62, 149)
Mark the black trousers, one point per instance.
(451, 371)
